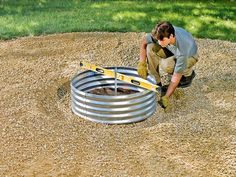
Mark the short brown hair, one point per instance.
(163, 29)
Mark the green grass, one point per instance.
(204, 19)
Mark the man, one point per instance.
(173, 50)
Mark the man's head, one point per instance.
(164, 32)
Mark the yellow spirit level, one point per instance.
(132, 80)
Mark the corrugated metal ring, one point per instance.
(117, 109)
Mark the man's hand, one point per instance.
(142, 69)
(164, 102)
(173, 84)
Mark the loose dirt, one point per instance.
(40, 136)
(112, 91)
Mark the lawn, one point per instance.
(204, 19)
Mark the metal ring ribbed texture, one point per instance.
(111, 109)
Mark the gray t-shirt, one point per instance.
(184, 48)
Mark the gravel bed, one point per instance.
(40, 136)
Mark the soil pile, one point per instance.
(40, 136)
(112, 92)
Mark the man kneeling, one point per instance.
(173, 50)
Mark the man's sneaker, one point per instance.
(162, 89)
(186, 81)
(159, 87)
(159, 84)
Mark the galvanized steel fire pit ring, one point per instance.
(111, 109)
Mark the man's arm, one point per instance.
(173, 84)
(164, 101)
(142, 65)
(179, 68)
(143, 50)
